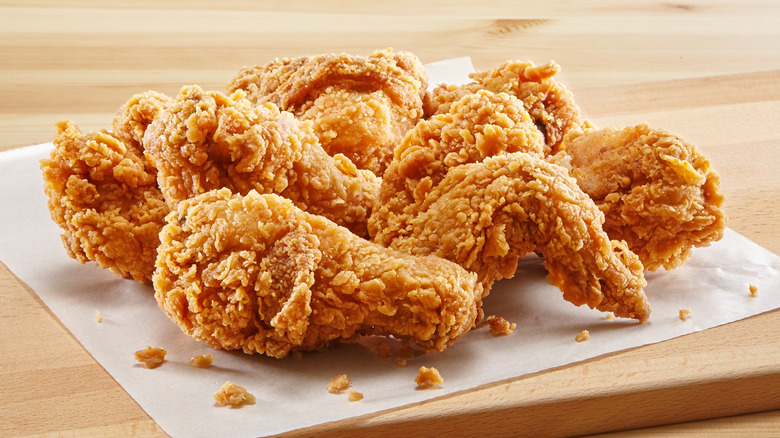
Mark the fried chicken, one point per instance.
(550, 104)
(478, 125)
(657, 192)
(207, 140)
(106, 201)
(472, 185)
(486, 215)
(360, 106)
(256, 273)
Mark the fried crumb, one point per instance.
(582, 336)
(610, 315)
(355, 396)
(753, 290)
(428, 378)
(684, 313)
(98, 316)
(233, 395)
(339, 384)
(400, 362)
(151, 357)
(203, 361)
(499, 326)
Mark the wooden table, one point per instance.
(709, 71)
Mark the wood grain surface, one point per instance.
(708, 71)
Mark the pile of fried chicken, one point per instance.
(320, 199)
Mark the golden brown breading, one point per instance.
(550, 104)
(657, 192)
(256, 273)
(486, 215)
(360, 106)
(132, 118)
(207, 140)
(105, 200)
(479, 125)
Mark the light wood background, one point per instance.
(707, 70)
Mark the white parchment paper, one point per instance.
(291, 393)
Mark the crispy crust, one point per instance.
(360, 106)
(550, 104)
(486, 215)
(256, 273)
(657, 192)
(207, 140)
(106, 201)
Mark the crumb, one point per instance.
(203, 361)
(499, 326)
(297, 354)
(384, 349)
(151, 357)
(610, 315)
(582, 336)
(401, 362)
(339, 384)
(355, 396)
(753, 290)
(98, 316)
(428, 378)
(233, 395)
(684, 314)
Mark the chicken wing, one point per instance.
(254, 272)
(486, 215)
(360, 106)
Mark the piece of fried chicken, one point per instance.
(105, 199)
(657, 192)
(486, 215)
(256, 273)
(207, 140)
(550, 104)
(486, 221)
(360, 106)
(476, 126)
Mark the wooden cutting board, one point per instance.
(714, 78)
(728, 370)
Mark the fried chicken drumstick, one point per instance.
(207, 140)
(657, 192)
(360, 106)
(256, 273)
